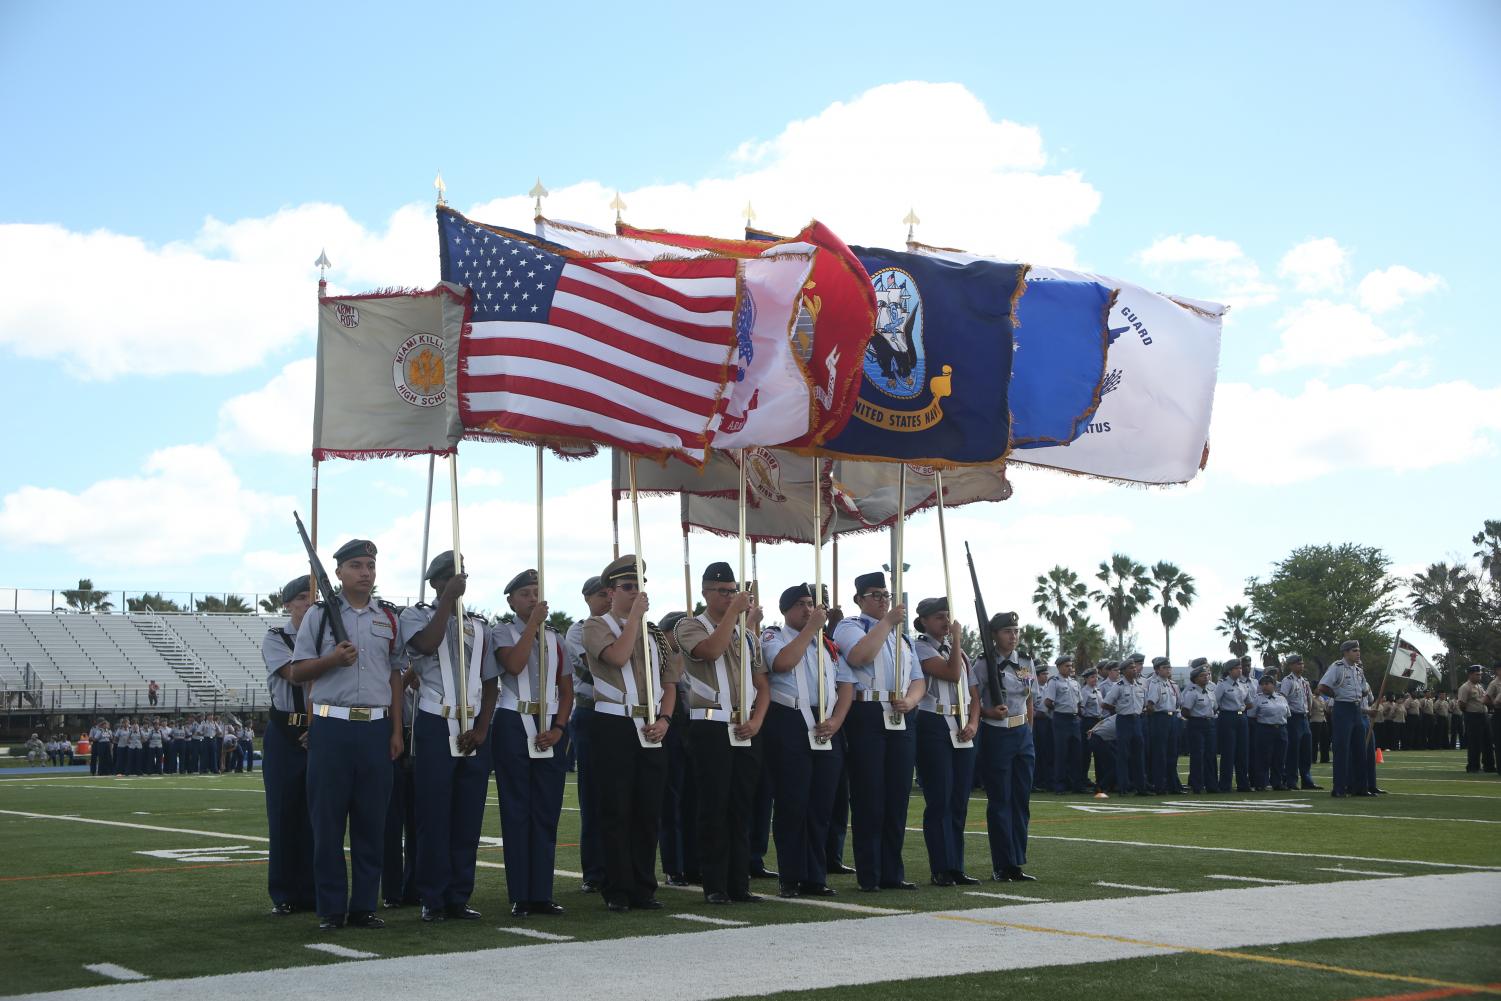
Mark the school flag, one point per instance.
(1152, 424)
(387, 373)
(1410, 665)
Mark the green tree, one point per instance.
(85, 599)
(969, 642)
(1456, 606)
(1175, 591)
(272, 604)
(1086, 639)
(1123, 646)
(1318, 596)
(1125, 592)
(152, 603)
(231, 604)
(1235, 625)
(561, 621)
(1489, 553)
(1037, 642)
(1059, 596)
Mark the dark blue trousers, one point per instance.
(804, 781)
(1007, 760)
(398, 875)
(1242, 753)
(676, 837)
(1160, 741)
(1297, 765)
(880, 766)
(591, 849)
(1042, 740)
(1364, 777)
(1068, 754)
(348, 788)
(1227, 737)
(760, 821)
(450, 807)
(947, 774)
(1271, 754)
(1174, 752)
(1130, 755)
(531, 800)
(1348, 746)
(217, 752)
(1200, 738)
(839, 821)
(289, 871)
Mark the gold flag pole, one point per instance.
(687, 567)
(544, 668)
(651, 694)
(461, 697)
(744, 641)
(823, 689)
(961, 687)
(894, 719)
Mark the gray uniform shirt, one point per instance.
(1162, 694)
(578, 666)
(1065, 695)
(277, 655)
(508, 634)
(1018, 683)
(1345, 680)
(1271, 709)
(429, 667)
(1229, 697)
(1295, 689)
(366, 682)
(1198, 703)
(1128, 698)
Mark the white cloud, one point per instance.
(978, 183)
(1220, 268)
(1381, 291)
(278, 417)
(1320, 265)
(1266, 437)
(477, 477)
(1322, 333)
(188, 503)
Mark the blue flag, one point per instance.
(938, 370)
(1061, 336)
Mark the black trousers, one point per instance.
(724, 780)
(1323, 734)
(1478, 752)
(630, 783)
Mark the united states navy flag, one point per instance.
(938, 370)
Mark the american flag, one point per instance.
(624, 353)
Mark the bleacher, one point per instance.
(228, 645)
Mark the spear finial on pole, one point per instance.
(442, 189)
(911, 221)
(322, 264)
(538, 192)
(749, 213)
(618, 204)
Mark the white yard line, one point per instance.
(1250, 879)
(1005, 896)
(1258, 851)
(1136, 886)
(706, 920)
(1040, 936)
(340, 951)
(138, 827)
(1359, 872)
(115, 972)
(824, 902)
(545, 936)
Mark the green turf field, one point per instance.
(180, 889)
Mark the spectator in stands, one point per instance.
(151, 691)
(65, 749)
(36, 751)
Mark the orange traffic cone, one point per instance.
(1379, 758)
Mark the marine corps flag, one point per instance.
(387, 373)
(1410, 665)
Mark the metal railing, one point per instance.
(106, 699)
(102, 602)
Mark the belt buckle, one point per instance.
(637, 712)
(359, 714)
(296, 719)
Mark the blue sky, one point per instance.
(173, 171)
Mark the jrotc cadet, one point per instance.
(99, 748)
(1090, 714)
(945, 772)
(1198, 710)
(449, 789)
(215, 744)
(591, 849)
(880, 760)
(631, 775)
(121, 736)
(530, 789)
(1270, 711)
(1042, 735)
(154, 748)
(398, 877)
(1471, 703)
(1411, 722)
(289, 875)
(1427, 716)
(1364, 783)
(1063, 697)
(724, 776)
(1007, 758)
(1110, 676)
(1127, 702)
(1345, 683)
(1297, 767)
(803, 780)
(355, 735)
(1492, 700)
(1230, 704)
(1243, 745)
(1442, 738)
(1320, 707)
(676, 841)
(1161, 708)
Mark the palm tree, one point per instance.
(231, 604)
(1085, 639)
(1035, 640)
(1489, 553)
(1236, 623)
(272, 604)
(1060, 595)
(86, 599)
(152, 602)
(1175, 591)
(1126, 591)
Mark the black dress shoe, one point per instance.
(676, 880)
(331, 922)
(521, 909)
(390, 903)
(1337, 795)
(963, 879)
(548, 907)
(999, 877)
(900, 884)
(617, 906)
(716, 898)
(870, 889)
(588, 887)
(462, 912)
(840, 869)
(364, 919)
(816, 890)
(761, 872)
(650, 904)
(1370, 793)
(433, 914)
(1313, 785)
(787, 890)
(747, 898)
(942, 879)
(282, 910)
(1379, 792)
(1015, 875)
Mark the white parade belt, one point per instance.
(359, 714)
(437, 708)
(873, 696)
(616, 709)
(715, 715)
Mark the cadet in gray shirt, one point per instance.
(1269, 710)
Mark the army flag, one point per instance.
(387, 373)
(834, 321)
(1410, 665)
(769, 399)
(1152, 424)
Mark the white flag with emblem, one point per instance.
(388, 367)
(1410, 665)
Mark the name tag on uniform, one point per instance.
(469, 629)
(381, 627)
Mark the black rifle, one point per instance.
(987, 641)
(325, 589)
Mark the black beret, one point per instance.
(1110, 665)
(671, 619)
(592, 585)
(1233, 664)
(1041, 669)
(1245, 658)
(1065, 659)
(293, 588)
(1160, 662)
(1199, 662)
(1199, 669)
(866, 581)
(719, 573)
(793, 595)
(623, 568)
(1003, 620)
(1139, 658)
(1268, 678)
(1089, 672)
(354, 548)
(930, 605)
(526, 578)
(441, 566)
(1474, 669)
(1349, 645)
(1294, 658)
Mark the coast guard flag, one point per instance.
(1410, 665)
(631, 354)
(938, 369)
(1152, 425)
(387, 373)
